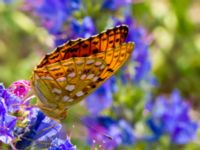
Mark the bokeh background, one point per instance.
(156, 94)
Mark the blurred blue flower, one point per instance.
(59, 144)
(84, 29)
(171, 116)
(8, 1)
(77, 29)
(115, 4)
(53, 13)
(102, 97)
(107, 132)
(140, 56)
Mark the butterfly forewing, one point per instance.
(85, 47)
(77, 68)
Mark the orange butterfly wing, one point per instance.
(77, 68)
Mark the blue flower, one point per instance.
(115, 4)
(8, 1)
(107, 132)
(2, 107)
(7, 121)
(53, 13)
(7, 124)
(140, 56)
(171, 116)
(76, 29)
(84, 29)
(60, 144)
(12, 102)
(40, 131)
(21, 122)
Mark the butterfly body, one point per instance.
(74, 70)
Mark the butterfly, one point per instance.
(77, 68)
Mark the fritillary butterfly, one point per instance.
(78, 67)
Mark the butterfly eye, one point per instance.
(75, 69)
